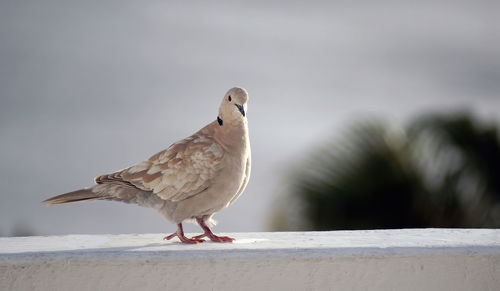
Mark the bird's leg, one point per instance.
(208, 233)
(180, 234)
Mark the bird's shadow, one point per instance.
(121, 250)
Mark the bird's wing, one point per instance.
(186, 168)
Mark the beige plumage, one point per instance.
(192, 179)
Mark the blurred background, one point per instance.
(365, 114)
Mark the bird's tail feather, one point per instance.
(110, 191)
(78, 195)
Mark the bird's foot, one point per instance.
(184, 239)
(214, 237)
(208, 233)
(180, 234)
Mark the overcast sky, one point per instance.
(89, 87)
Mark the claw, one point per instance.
(180, 234)
(208, 233)
(214, 238)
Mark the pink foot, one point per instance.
(215, 238)
(208, 233)
(180, 234)
(184, 239)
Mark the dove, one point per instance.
(190, 180)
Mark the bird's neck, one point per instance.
(232, 135)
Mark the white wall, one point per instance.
(418, 259)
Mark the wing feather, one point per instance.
(185, 169)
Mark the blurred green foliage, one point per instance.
(441, 171)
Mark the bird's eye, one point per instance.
(229, 98)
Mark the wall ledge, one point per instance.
(401, 259)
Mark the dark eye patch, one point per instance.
(229, 98)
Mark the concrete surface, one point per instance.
(406, 259)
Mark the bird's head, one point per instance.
(234, 106)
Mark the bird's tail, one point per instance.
(78, 195)
(110, 191)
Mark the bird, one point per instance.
(189, 181)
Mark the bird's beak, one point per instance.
(241, 109)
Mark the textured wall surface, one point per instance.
(407, 259)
